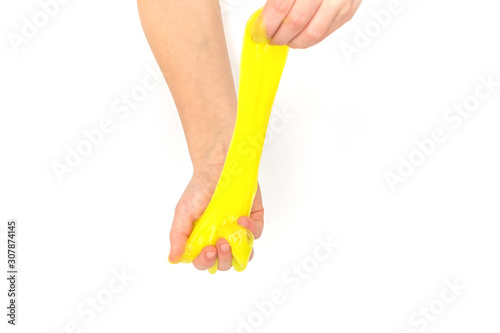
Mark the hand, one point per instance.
(191, 206)
(304, 23)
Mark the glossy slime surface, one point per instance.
(260, 72)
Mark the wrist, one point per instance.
(209, 154)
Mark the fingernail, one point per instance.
(210, 255)
(225, 247)
(258, 30)
(171, 260)
(244, 223)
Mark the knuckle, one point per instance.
(278, 41)
(313, 34)
(180, 208)
(349, 16)
(347, 11)
(297, 20)
(294, 45)
(281, 6)
(258, 234)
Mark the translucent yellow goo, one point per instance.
(260, 73)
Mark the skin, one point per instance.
(303, 23)
(188, 42)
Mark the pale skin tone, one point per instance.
(188, 42)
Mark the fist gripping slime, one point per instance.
(260, 73)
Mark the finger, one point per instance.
(256, 222)
(206, 258)
(179, 234)
(318, 27)
(257, 225)
(297, 19)
(224, 255)
(343, 17)
(251, 255)
(257, 201)
(253, 226)
(274, 13)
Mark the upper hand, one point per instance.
(304, 23)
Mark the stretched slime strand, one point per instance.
(260, 72)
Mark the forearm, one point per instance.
(188, 42)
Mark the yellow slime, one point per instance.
(260, 73)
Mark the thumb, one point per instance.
(259, 31)
(270, 19)
(182, 226)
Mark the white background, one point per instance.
(321, 176)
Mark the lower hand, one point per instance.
(191, 206)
